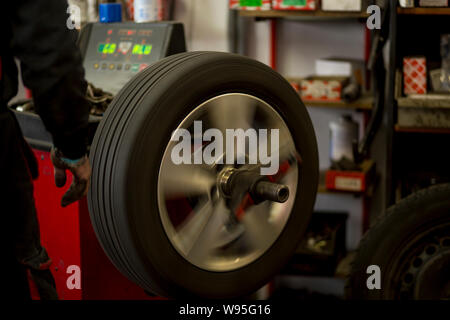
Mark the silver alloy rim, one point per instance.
(192, 209)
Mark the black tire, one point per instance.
(399, 243)
(126, 155)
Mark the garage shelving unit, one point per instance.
(304, 15)
(364, 104)
(425, 18)
(411, 150)
(424, 11)
(403, 150)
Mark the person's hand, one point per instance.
(81, 170)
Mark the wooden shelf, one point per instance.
(421, 130)
(424, 11)
(428, 101)
(364, 103)
(297, 14)
(322, 189)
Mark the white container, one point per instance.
(407, 3)
(342, 134)
(145, 10)
(342, 5)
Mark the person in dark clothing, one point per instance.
(36, 34)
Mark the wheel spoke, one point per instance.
(286, 153)
(259, 231)
(286, 149)
(186, 180)
(232, 112)
(193, 227)
(213, 234)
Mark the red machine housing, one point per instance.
(69, 238)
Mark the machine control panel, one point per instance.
(115, 52)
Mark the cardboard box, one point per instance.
(354, 181)
(251, 4)
(343, 67)
(345, 5)
(323, 88)
(295, 83)
(414, 75)
(309, 5)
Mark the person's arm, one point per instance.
(52, 68)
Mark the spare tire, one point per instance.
(410, 244)
(139, 225)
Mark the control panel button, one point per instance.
(135, 67)
(143, 66)
(96, 65)
(104, 66)
(111, 66)
(119, 66)
(127, 67)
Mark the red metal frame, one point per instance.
(273, 43)
(59, 226)
(69, 238)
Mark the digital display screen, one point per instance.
(144, 49)
(116, 52)
(107, 48)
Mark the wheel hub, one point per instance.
(224, 216)
(427, 274)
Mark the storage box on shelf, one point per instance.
(364, 102)
(414, 75)
(344, 5)
(351, 181)
(251, 5)
(322, 88)
(307, 5)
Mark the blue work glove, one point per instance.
(81, 170)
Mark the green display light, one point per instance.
(144, 49)
(107, 48)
